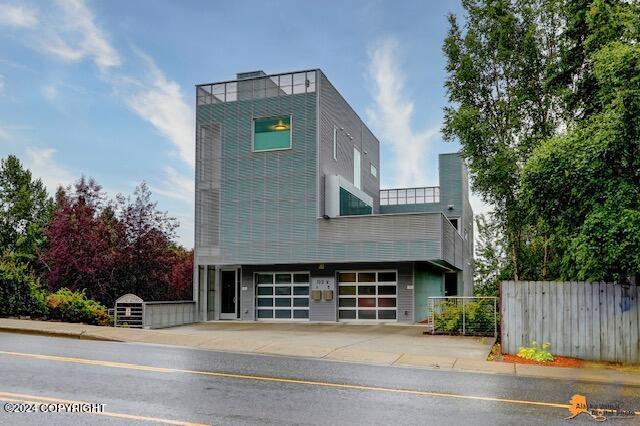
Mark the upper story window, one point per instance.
(335, 143)
(374, 171)
(356, 168)
(351, 205)
(272, 133)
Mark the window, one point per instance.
(374, 171)
(370, 295)
(356, 168)
(335, 143)
(350, 205)
(272, 133)
(454, 222)
(282, 295)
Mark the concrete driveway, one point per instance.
(385, 344)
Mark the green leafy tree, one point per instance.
(500, 105)
(25, 209)
(490, 263)
(584, 186)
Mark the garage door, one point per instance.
(367, 295)
(282, 295)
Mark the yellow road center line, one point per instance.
(282, 380)
(35, 399)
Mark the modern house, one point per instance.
(290, 220)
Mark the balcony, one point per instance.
(408, 196)
(257, 88)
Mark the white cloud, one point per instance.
(161, 102)
(392, 115)
(176, 186)
(50, 92)
(17, 16)
(78, 37)
(42, 164)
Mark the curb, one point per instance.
(69, 335)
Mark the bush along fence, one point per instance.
(466, 316)
(593, 321)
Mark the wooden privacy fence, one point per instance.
(594, 321)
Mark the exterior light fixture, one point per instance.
(450, 206)
(280, 126)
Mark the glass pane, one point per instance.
(356, 168)
(299, 78)
(350, 205)
(265, 291)
(347, 302)
(386, 314)
(347, 290)
(301, 313)
(347, 277)
(301, 291)
(265, 278)
(367, 289)
(285, 83)
(311, 81)
(300, 278)
(387, 302)
(344, 314)
(367, 314)
(265, 313)
(283, 291)
(311, 76)
(218, 89)
(265, 301)
(367, 302)
(232, 96)
(367, 277)
(283, 301)
(280, 313)
(386, 290)
(272, 133)
(386, 276)
(283, 278)
(301, 301)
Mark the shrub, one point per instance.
(20, 292)
(478, 317)
(536, 352)
(73, 306)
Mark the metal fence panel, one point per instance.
(466, 316)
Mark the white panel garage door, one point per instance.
(282, 295)
(367, 295)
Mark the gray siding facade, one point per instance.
(328, 310)
(263, 211)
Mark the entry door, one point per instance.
(228, 294)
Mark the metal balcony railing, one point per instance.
(422, 195)
(257, 88)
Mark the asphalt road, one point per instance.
(137, 382)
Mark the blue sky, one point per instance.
(106, 88)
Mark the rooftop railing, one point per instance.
(257, 88)
(422, 195)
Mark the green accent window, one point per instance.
(350, 205)
(272, 133)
